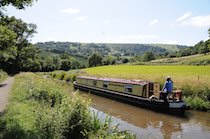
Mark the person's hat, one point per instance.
(168, 77)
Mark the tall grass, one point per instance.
(181, 75)
(41, 108)
(3, 75)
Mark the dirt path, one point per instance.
(5, 87)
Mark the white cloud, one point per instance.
(70, 11)
(184, 16)
(200, 21)
(197, 21)
(153, 22)
(82, 18)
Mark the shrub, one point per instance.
(3, 75)
(41, 108)
(197, 103)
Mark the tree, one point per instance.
(28, 59)
(109, 60)
(95, 60)
(57, 62)
(65, 64)
(7, 44)
(14, 41)
(20, 4)
(209, 32)
(125, 60)
(148, 56)
(14, 35)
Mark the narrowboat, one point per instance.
(142, 93)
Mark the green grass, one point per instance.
(193, 80)
(199, 59)
(181, 75)
(3, 75)
(43, 108)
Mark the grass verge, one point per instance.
(41, 108)
(3, 75)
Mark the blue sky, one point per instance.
(118, 21)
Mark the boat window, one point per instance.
(128, 88)
(105, 84)
(94, 83)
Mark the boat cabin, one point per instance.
(139, 88)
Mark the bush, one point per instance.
(41, 108)
(197, 103)
(3, 75)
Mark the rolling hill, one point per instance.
(83, 50)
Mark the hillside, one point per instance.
(198, 59)
(83, 50)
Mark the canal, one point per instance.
(147, 124)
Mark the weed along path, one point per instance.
(5, 87)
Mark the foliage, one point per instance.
(69, 76)
(16, 51)
(148, 56)
(40, 108)
(81, 51)
(95, 60)
(199, 59)
(109, 60)
(197, 103)
(7, 44)
(106, 130)
(20, 4)
(200, 48)
(3, 75)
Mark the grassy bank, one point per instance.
(194, 81)
(41, 108)
(3, 75)
(199, 59)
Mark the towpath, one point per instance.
(5, 88)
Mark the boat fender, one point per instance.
(153, 98)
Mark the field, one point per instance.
(199, 59)
(194, 81)
(181, 75)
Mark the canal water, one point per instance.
(147, 124)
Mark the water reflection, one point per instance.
(149, 124)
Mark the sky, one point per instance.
(183, 22)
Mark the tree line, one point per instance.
(18, 54)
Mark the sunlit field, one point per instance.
(181, 75)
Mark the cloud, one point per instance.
(197, 21)
(82, 18)
(70, 11)
(153, 22)
(184, 16)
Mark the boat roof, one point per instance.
(138, 82)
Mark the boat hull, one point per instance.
(156, 105)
